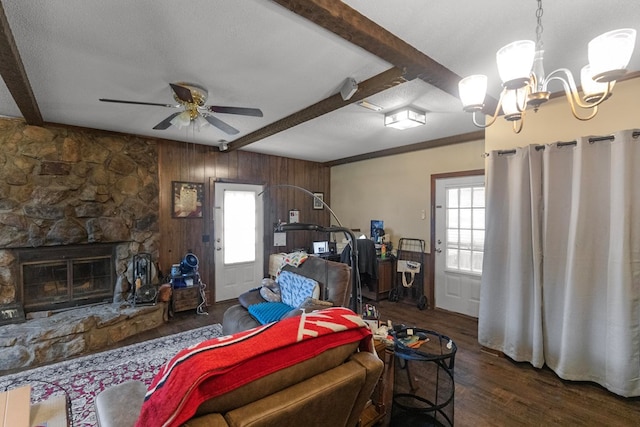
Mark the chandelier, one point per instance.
(525, 84)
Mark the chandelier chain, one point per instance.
(539, 28)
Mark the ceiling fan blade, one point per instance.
(119, 101)
(166, 122)
(255, 112)
(220, 124)
(182, 92)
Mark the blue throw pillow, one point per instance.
(267, 312)
(294, 288)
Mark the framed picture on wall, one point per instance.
(317, 200)
(187, 199)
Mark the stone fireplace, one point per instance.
(75, 207)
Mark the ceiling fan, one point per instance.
(191, 98)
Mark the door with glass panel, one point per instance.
(459, 243)
(238, 239)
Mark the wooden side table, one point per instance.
(185, 298)
(381, 286)
(378, 413)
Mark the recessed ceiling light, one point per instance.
(405, 118)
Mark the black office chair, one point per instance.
(367, 260)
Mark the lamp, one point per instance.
(520, 65)
(405, 118)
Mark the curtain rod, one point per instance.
(635, 134)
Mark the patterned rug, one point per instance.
(83, 378)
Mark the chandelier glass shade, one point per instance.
(520, 66)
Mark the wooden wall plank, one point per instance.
(189, 162)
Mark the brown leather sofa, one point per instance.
(330, 389)
(335, 284)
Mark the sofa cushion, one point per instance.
(334, 278)
(270, 294)
(251, 297)
(294, 288)
(277, 381)
(267, 312)
(326, 399)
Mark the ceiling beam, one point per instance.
(14, 75)
(351, 25)
(369, 87)
(355, 28)
(441, 142)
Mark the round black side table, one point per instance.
(424, 388)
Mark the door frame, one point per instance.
(210, 228)
(432, 242)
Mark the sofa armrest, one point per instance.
(119, 405)
(236, 319)
(374, 367)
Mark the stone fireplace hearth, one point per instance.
(73, 333)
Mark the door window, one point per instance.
(464, 237)
(239, 226)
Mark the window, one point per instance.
(239, 226)
(465, 229)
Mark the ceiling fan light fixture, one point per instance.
(405, 118)
(200, 122)
(192, 98)
(181, 120)
(520, 65)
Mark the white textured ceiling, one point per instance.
(255, 53)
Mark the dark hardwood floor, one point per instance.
(490, 390)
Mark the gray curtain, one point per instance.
(510, 317)
(580, 247)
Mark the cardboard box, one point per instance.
(15, 407)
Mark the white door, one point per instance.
(238, 239)
(459, 243)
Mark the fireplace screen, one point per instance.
(68, 282)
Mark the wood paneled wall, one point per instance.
(179, 161)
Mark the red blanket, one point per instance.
(219, 365)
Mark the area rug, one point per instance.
(83, 378)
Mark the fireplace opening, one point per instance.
(53, 278)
